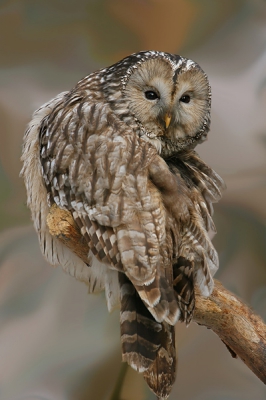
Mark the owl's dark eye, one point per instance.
(185, 98)
(151, 95)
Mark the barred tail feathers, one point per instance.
(140, 333)
(161, 374)
(148, 346)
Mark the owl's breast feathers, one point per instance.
(145, 219)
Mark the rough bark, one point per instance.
(242, 331)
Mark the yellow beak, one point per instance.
(167, 120)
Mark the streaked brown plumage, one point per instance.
(117, 152)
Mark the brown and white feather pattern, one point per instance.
(138, 192)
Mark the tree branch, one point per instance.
(243, 332)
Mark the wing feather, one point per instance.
(99, 172)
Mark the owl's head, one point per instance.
(169, 98)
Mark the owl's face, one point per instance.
(169, 99)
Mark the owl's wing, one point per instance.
(98, 277)
(92, 164)
(197, 260)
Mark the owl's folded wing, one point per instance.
(86, 160)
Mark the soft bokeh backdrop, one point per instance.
(56, 342)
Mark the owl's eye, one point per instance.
(185, 98)
(151, 95)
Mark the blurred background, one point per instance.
(56, 341)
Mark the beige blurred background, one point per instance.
(56, 341)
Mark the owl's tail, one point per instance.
(147, 345)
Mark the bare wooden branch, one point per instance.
(62, 225)
(237, 326)
(243, 332)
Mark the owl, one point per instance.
(117, 153)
